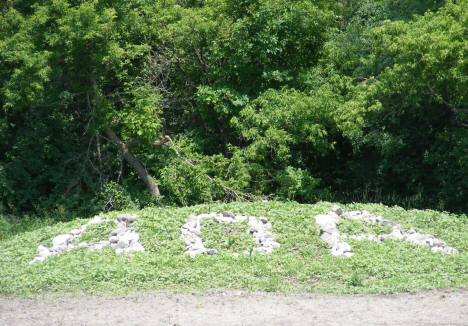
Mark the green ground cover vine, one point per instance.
(301, 264)
(227, 238)
(97, 232)
(358, 227)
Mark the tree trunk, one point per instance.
(133, 161)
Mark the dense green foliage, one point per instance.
(301, 264)
(305, 100)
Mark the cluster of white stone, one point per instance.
(331, 235)
(124, 239)
(259, 228)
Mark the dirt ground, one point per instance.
(239, 308)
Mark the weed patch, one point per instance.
(97, 232)
(349, 226)
(227, 238)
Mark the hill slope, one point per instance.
(302, 263)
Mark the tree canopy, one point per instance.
(202, 100)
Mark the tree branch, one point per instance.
(134, 162)
(160, 142)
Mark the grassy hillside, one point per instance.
(302, 263)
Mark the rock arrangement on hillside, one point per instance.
(123, 239)
(259, 228)
(339, 247)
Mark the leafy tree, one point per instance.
(414, 98)
(81, 61)
(225, 53)
(300, 99)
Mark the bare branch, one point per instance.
(135, 141)
(161, 142)
(134, 162)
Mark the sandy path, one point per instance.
(237, 308)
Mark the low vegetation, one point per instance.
(362, 227)
(301, 264)
(97, 232)
(227, 238)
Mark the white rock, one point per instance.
(136, 246)
(132, 217)
(335, 252)
(122, 217)
(354, 215)
(255, 225)
(268, 235)
(372, 237)
(274, 244)
(36, 259)
(96, 219)
(383, 237)
(62, 240)
(267, 226)
(263, 219)
(331, 238)
(387, 222)
(195, 252)
(343, 246)
(75, 232)
(118, 230)
(223, 219)
(123, 243)
(451, 250)
(240, 218)
(97, 246)
(365, 215)
(429, 242)
(42, 250)
(229, 214)
(129, 236)
(396, 234)
(326, 221)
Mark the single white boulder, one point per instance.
(61, 241)
(43, 251)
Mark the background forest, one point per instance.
(109, 104)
